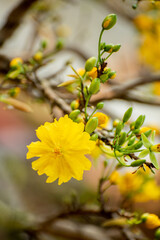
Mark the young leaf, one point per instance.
(145, 141)
(154, 160)
(144, 153)
(153, 136)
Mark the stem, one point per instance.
(108, 55)
(99, 43)
(86, 104)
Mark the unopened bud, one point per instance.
(122, 138)
(100, 105)
(116, 48)
(115, 122)
(137, 163)
(91, 125)
(90, 63)
(112, 75)
(95, 86)
(74, 104)
(60, 44)
(127, 114)
(94, 137)
(38, 56)
(74, 114)
(108, 48)
(109, 21)
(118, 128)
(139, 121)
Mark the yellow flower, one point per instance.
(156, 88)
(93, 73)
(15, 62)
(152, 221)
(102, 119)
(114, 177)
(61, 150)
(143, 22)
(38, 56)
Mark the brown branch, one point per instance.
(14, 20)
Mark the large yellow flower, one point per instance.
(61, 150)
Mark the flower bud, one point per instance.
(132, 125)
(95, 86)
(118, 128)
(90, 63)
(138, 145)
(155, 148)
(127, 114)
(116, 48)
(100, 105)
(122, 138)
(94, 137)
(102, 45)
(60, 44)
(15, 62)
(74, 114)
(144, 217)
(104, 77)
(108, 48)
(44, 44)
(109, 21)
(115, 122)
(139, 121)
(137, 163)
(157, 234)
(131, 141)
(91, 125)
(112, 74)
(152, 221)
(38, 56)
(75, 104)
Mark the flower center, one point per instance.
(57, 151)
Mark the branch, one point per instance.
(14, 20)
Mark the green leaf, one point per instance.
(145, 141)
(154, 160)
(153, 136)
(144, 153)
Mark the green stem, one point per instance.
(86, 104)
(108, 55)
(99, 43)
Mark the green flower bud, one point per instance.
(122, 138)
(104, 77)
(132, 125)
(74, 104)
(138, 145)
(139, 122)
(44, 44)
(94, 137)
(137, 163)
(74, 114)
(100, 105)
(102, 45)
(95, 86)
(119, 128)
(109, 21)
(91, 125)
(116, 48)
(115, 122)
(112, 74)
(127, 114)
(144, 217)
(108, 48)
(157, 234)
(131, 141)
(90, 63)
(60, 44)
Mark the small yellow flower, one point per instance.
(61, 150)
(38, 56)
(114, 177)
(143, 22)
(15, 62)
(93, 73)
(155, 148)
(144, 129)
(152, 221)
(102, 119)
